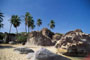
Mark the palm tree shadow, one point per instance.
(4, 47)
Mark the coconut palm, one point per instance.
(15, 21)
(1, 19)
(33, 26)
(39, 23)
(26, 20)
(30, 22)
(1, 25)
(1, 16)
(52, 24)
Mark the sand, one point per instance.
(7, 53)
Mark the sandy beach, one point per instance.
(7, 53)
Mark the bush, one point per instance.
(21, 38)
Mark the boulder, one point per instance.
(78, 50)
(23, 50)
(37, 38)
(44, 54)
(12, 42)
(47, 33)
(77, 39)
(9, 37)
(56, 37)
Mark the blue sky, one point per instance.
(67, 14)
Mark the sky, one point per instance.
(67, 14)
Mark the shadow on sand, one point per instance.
(3, 47)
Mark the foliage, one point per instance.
(1, 19)
(21, 38)
(52, 24)
(1, 35)
(39, 22)
(15, 21)
(59, 34)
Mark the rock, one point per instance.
(12, 42)
(36, 38)
(47, 33)
(23, 50)
(30, 55)
(77, 51)
(9, 37)
(44, 54)
(56, 37)
(78, 39)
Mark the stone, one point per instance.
(75, 41)
(44, 54)
(36, 38)
(23, 50)
(47, 33)
(12, 42)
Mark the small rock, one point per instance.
(23, 50)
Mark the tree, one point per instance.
(39, 23)
(33, 26)
(30, 23)
(26, 20)
(52, 24)
(1, 20)
(15, 21)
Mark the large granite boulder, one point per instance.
(56, 37)
(80, 50)
(23, 50)
(47, 33)
(37, 38)
(77, 38)
(44, 54)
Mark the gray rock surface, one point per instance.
(44, 54)
(36, 38)
(23, 50)
(78, 39)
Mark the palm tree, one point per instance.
(11, 21)
(1, 19)
(52, 24)
(26, 20)
(1, 25)
(30, 22)
(15, 21)
(1, 16)
(32, 27)
(39, 23)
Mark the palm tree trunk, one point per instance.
(26, 28)
(10, 28)
(16, 30)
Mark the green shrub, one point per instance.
(21, 38)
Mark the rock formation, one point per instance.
(37, 38)
(44, 37)
(44, 54)
(75, 38)
(9, 37)
(47, 33)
